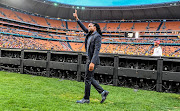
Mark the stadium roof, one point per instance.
(106, 3)
(64, 11)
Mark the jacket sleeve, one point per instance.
(97, 49)
(82, 26)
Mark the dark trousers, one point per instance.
(89, 79)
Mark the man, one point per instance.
(92, 46)
(157, 49)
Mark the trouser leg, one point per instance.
(96, 85)
(89, 79)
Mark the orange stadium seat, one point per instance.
(126, 26)
(112, 26)
(72, 25)
(9, 14)
(25, 17)
(103, 26)
(10, 41)
(140, 26)
(39, 20)
(55, 23)
(153, 26)
(76, 46)
(172, 26)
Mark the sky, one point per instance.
(111, 2)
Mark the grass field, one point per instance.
(34, 93)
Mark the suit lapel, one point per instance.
(91, 38)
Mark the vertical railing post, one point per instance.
(159, 75)
(115, 72)
(48, 63)
(21, 62)
(79, 67)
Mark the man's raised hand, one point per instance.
(75, 15)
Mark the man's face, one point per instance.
(91, 27)
(156, 44)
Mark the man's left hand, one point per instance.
(91, 66)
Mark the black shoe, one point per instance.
(104, 95)
(83, 101)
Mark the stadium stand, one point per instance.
(67, 36)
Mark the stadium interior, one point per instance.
(132, 37)
(129, 31)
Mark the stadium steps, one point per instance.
(62, 23)
(118, 27)
(105, 27)
(68, 43)
(47, 22)
(77, 27)
(17, 15)
(105, 48)
(147, 26)
(82, 46)
(159, 26)
(66, 25)
(32, 19)
(164, 26)
(149, 50)
(65, 46)
(175, 51)
(132, 27)
(125, 50)
(116, 48)
(2, 13)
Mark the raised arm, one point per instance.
(79, 22)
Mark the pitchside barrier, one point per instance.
(160, 74)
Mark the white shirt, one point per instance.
(157, 51)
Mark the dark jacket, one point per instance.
(94, 46)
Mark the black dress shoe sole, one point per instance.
(104, 98)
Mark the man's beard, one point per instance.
(90, 32)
